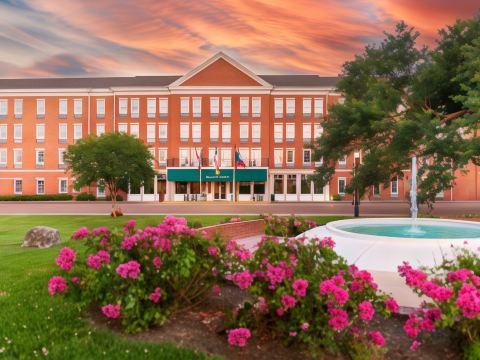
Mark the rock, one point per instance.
(41, 237)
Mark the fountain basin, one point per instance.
(381, 244)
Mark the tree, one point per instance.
(402, 100)
(114, 159)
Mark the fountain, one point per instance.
(414, 229)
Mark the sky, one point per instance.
(67, 38)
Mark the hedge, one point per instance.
(118, 197)
(84, 196)
(53, 197)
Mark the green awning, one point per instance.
(226, 175)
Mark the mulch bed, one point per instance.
(202, 329)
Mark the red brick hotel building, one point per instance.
(218, 106)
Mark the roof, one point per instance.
(142, 81)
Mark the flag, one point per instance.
(199, 158)
(238, 159)
(215, 161)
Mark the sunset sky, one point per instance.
(42, 38)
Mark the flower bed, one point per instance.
(287, 226)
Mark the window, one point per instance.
(244, 188)
(291, 184)
(290, 133)
(342, 162)
(305, 185)
(256, 133)
(226, 157)
(318, 107)
(100, 108)
(211, 155)
(3, 158)
(134, 130)
(376, 190)
(290, 107)
(162, 133)
(151, 133)
(184, 106)
(163, 107)
(40, 133)
(3, 108)
(3, 133)
(214, 106)
(184, 155)
(17, 158)
(62, 108)
(62, 133)
(307, 133)
(101, 189)
(134, 108)
(342, 184)
(181, 187)
(18, 108)
(40, 158)
(256, 157)
(17, 133)
(244, 106)
(194, 160)
(77, 108)
(290, 157)
(278, 184)
(40, 108)
(123, 128)
(307, 107)
(245, 155)
(213, 132)
(197, 107)
(243, 133)
(278, 108)
(394, 186)
(62, 186)
(100, 129)
(77, 132)
(61, 158)
(40, 186)
(122, 107)
(317, 130)
(226, 133)
(256, 107)
(196, 132)
(317, 189)
(184, 132)
(162, 157)
(278, 133)
(151, 107)
(17, 189)
(152, 152)
(278, 157)
(227, 107)
(307, 157)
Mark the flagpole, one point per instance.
(200, 166)
(234, 170)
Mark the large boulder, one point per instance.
(41, 237)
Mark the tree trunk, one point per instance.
(116, 211)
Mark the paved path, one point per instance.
(390, 208)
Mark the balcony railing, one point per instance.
(206, 162)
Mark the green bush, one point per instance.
(336, 197)
(287, 227)
(84, 196)
(53, 197)
(117, 198)
(195, 224)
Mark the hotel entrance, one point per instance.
(219, 190)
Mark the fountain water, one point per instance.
(414, 229)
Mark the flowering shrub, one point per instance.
(304, 292)
(453, 293)
(287, 226)
(140, 276)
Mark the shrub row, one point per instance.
(84, 196)
(53, 197)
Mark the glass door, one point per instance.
(219, 190)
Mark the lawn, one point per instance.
(33, 324)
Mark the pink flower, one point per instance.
(213, 250)
(377, 338)
(341, 295)
(415, 345)
(366, 310)
(104, 256)
(130, 224)
(155, 296)
(327, 287)
(239, 337)
(304, 326)
(56, 284)
(280, 312)
(288, 301)
(94, 261)
(459, 275)
(469, 301)
(243, 279)
(216, 290)
(157, 262)
(65, 258)
(327, 242)
(338, 319)
(414, 278)
(111, 311)
(100, 231)
(391, 305)
(129, 242)
(234, 220)
(412, 327)
(75, 280)
(292, 333)
(297, 223)
(130, 270)
(299, 287)
(261, 305)
(80, 233)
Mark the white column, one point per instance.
(155, 188)
(141, 193)
(299, 184)
(285, 176)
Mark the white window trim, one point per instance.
(135, 125)
(100, 114)
(133, 114)
(60, 187)
(75, 113)
(227, 100)
(120, 112)
(4, 163)
(151, 114)
(184, 111)
(391, 186)
(246, 103)
(16, 113)
(338, 185)
(37, 180)
(258, 113)
(163, 112)
(15, 187)
(293, 156)
(197, 101)
(289, 113)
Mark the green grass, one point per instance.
(30, 319)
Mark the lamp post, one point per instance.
(356, 200)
